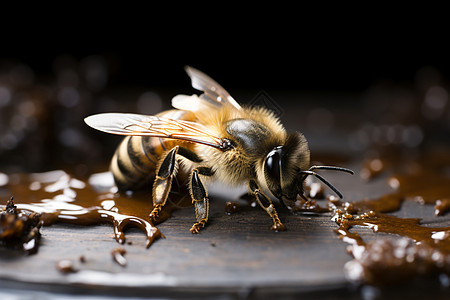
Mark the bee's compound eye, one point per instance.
(273, 164)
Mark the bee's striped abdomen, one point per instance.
(135, 160)
(130, 165)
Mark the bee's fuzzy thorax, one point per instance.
(218, 118)
(236, 166)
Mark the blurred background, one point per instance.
(348, 94)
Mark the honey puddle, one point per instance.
(421, 251)
(425, 180)
(412, 250)
(416, 250)
(58, 197)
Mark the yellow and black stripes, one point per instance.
(132, 165)
(136, 159)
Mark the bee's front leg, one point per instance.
(199, 197)
(267, 205)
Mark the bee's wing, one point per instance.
(213, 92)
(141, 125)
(192, 103)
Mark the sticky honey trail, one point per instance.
(58, 197)
(420, 250)
(415, 250)
(424, 179)
(411, 249)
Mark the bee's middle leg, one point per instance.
(267, 205)
(163, 182)
(199, 197)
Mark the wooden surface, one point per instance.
(235, 255)
(234, 251)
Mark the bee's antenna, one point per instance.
(311, 172)
(332, 168)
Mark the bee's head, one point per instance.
(282, 165)
(286, 166)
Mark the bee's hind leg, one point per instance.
(267, 205)
(163, 182)
(199, 197)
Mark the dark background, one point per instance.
(307, 47)
(337, 60)
(302, 66)
(323, 53)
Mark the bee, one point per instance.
(210, 136)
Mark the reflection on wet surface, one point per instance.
(420, 250)
(58, 197)
(417, 250)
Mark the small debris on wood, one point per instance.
(118, 256)
(231, 207)
(65, 266)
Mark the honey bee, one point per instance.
(210, 136)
